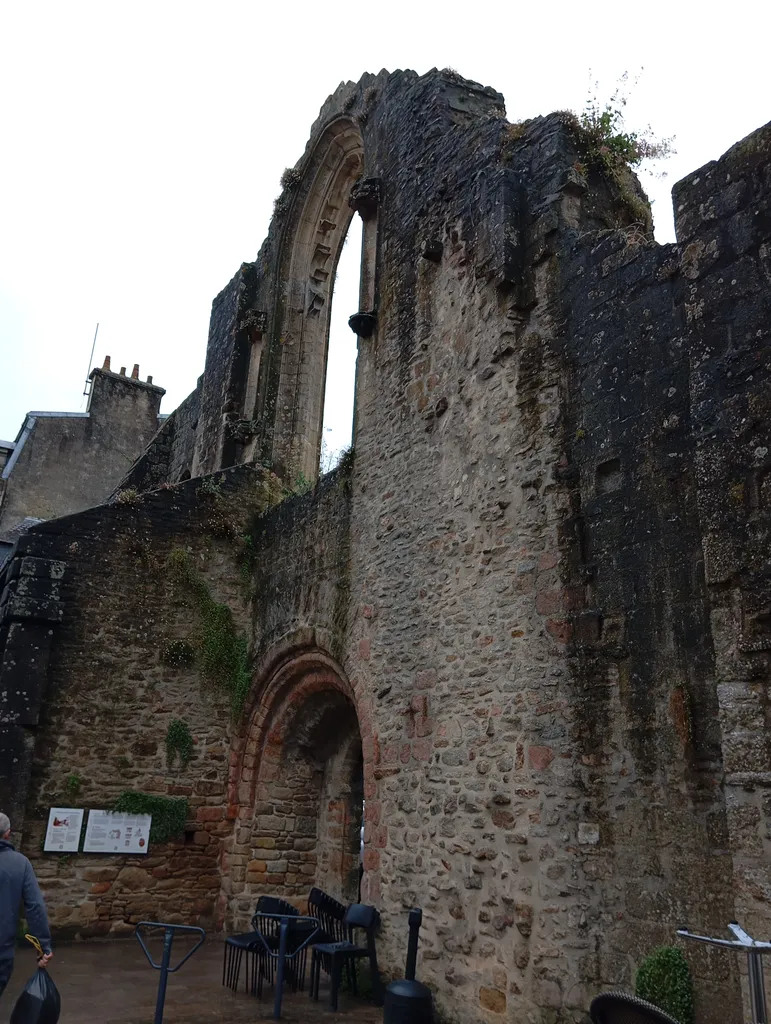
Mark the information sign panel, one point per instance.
(116, 832)
(63, 832)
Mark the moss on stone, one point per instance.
(221, 651)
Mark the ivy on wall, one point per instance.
(169, 813)
(179, 742)
(221, 652)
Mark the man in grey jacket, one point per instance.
(18, 884)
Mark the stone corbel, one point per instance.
(365, 197)
(363, 324)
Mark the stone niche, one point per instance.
(524, 626)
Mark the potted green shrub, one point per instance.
(664, 979)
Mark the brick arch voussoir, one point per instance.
(287, 677)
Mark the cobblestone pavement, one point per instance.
(112, 983)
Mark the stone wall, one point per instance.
(168, 458)
(723, 221)
(526, 621)
(640, 691)
(65, 462)
(99, 592)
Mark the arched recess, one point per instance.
(297, 786)
(292, 372)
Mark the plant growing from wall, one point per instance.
(219, 522)
(664, 979)
(607, 145)
(128, 496)
(221, 651)
(179, 742)
(72, 785)
(209, 486)
(169, 813)
(177, 652)
(609, 141)
(345, 466)
(301, 484)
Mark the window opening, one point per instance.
(340, 379)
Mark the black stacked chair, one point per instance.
(237, 945)
(622, 1008)
(330, 914)
(280, 952)
(344, 952)
(265, 939)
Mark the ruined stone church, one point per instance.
(525, 624)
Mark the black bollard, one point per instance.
(414, 920)
(408, 1001)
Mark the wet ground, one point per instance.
(112, 983)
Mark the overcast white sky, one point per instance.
(143, 144)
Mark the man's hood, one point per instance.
(6, 844)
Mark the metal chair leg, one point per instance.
(352, 963)
(335, 979)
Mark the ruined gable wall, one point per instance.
(459, 635)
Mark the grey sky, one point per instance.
(143, 144)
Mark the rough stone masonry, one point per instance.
(526, 624)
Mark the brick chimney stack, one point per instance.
(110, 389)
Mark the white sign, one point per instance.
(116, 832)
(63, 832)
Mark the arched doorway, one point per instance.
(300, 794)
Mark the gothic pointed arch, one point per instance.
(291, 373)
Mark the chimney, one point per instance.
(123, 371)
(135, 372)
(106, 365)
(149, 380)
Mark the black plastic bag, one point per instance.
(39, 1003)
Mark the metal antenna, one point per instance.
(90, 360)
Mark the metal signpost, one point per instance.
(163, 966)
(754, 951)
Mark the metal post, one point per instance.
(282, 944)
(164, 966)
(757, 988)
(754, 950)
(415, 919)
(168, 939)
